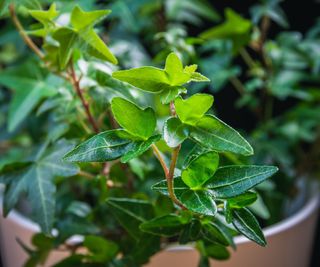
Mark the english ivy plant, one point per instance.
(195, 198)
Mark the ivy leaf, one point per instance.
(81, 19)
(174, 132)
(166, 96)
(110, 145)
(36, 179)
(231, 181)
(243, 200)
(149, 79)
(67, 39)
(200, 169)
(139, 148)
(199, 201)
(136, 121)
(158, 80)
(190, 232)
(192, 109)
(131, 213)
(175, 71)
(245, 222)
(45, 17)
(214, 134)
(105, 146)
(213, 233)
(30, 86)
(234, 28)
(100, 250)
(167, 225)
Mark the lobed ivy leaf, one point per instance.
(131, 213)
(245, 222)
(36, 179)
(82, 35)
(30, 86)
(231, 181)
(235, 28)
(81, 19)
(45, 17)
(200, 169)
(167, 225)
(192, 109)
(214, 134)
(136, 121)
(156, 80)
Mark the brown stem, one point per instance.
(170, 178)
(24, 36)
(85, 104)
(158, 155)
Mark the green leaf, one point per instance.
(138, 122)
(45, 17)
(234, 28)
(193, 108)
(105, 146)
(175, 71)
(214, 134)
(174, 132)
(139, 147)
(190, 232)
(131, 213)
(213, 233)
(200, 169)
(157, 80)
(167, 225)
(166, 96)
(81, 19)
(67, 39)
(217, 252)
(30, 86)
(243, 200)
(231, 181)
(245, 222)
(150, 79)
(199, 201)
(100, 250)
(36, 180)
(110, 145)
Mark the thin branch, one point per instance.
(237, 84)
(24, 36)
(158, 155)
(76, 85)
(86, 174)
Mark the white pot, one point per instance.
(289, 244)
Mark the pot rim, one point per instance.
(291, 221)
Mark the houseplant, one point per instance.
(108, 202)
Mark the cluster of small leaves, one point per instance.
(203, 186)
(123, 222)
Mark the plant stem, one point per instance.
(85, 104)
(24, 36)
(86, 174)
(247, 58)
(158, 155)
(237, 84)
(170, 182)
